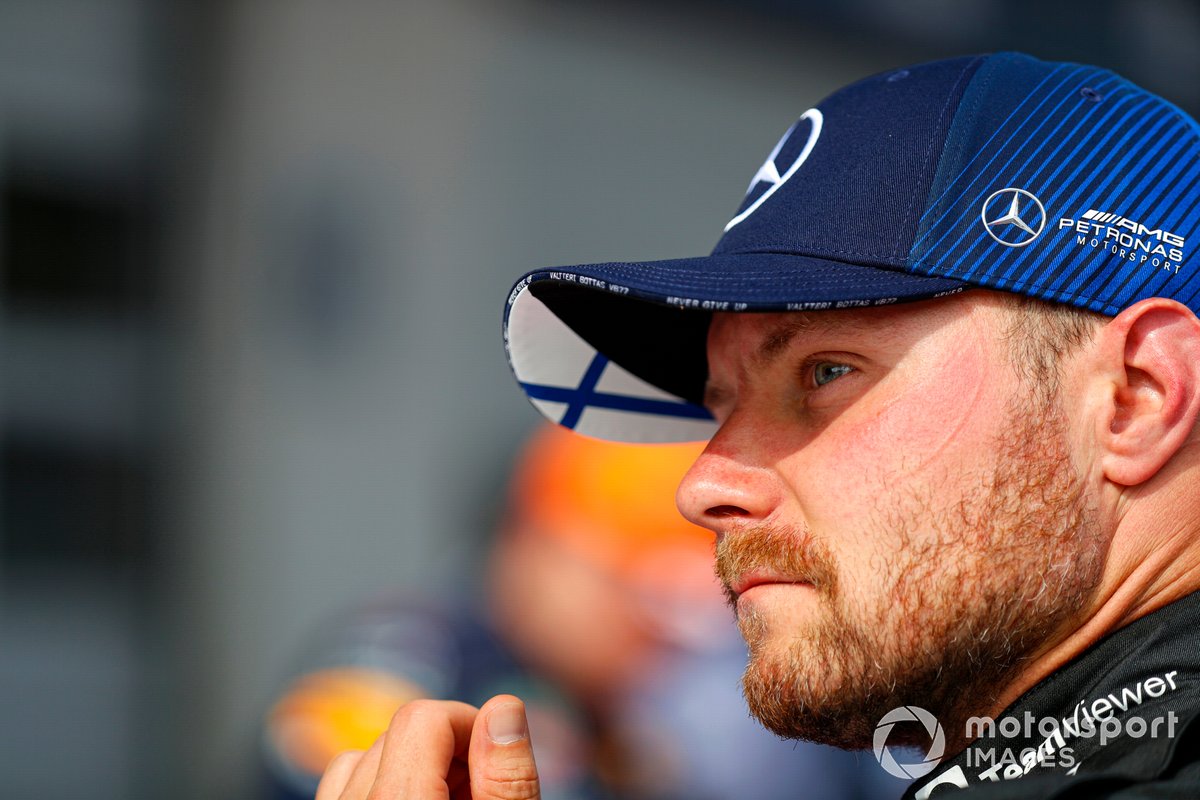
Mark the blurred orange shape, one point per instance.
(326, 712)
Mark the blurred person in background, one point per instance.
(601, 610)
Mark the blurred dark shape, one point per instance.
(1152, 42)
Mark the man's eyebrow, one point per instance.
(778, 339)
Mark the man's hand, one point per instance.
(441, 749)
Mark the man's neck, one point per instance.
(1153, 560)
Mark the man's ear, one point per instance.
(1151, 352)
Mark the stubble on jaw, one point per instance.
(963, 600)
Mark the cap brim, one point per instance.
(617, 350)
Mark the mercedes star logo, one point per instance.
(1013, 217)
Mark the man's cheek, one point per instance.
(934, 424)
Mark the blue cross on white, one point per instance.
(605, 401)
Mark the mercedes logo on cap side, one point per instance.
(1013, 217)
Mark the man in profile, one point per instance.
(948, 361)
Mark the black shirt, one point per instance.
(1120, 721)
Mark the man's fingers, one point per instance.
(501, 755)
(421, 746)
(337, 775)
(362, 777)
(428, 749)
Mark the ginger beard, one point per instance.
(958, 603)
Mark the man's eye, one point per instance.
(827, 372)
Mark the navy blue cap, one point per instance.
(1058, 181)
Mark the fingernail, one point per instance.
(506, 724)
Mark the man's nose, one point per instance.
(724, 490)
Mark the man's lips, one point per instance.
(748, 581)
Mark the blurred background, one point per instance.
(254, 256)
